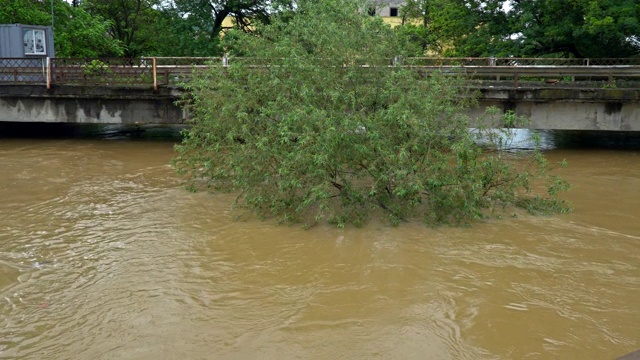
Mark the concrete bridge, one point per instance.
(553, 103)
(553, 108)
(90, 104)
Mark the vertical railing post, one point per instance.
(48, 73)
(155, 73)
(492, 62)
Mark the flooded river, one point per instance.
(103, 255)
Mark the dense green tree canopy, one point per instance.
(318, 125)
(132, 28)
(179, 27)
(578, 28)
(581, 28)
(180, 34)
(194, 27)
(76, 33)
(132, 22)
(417, 24)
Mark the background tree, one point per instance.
(416, 23)
(577, 28)
(181, 34)
(30, 12)
(132, 22)
(199, 23)
(330, 132)
(471, 27)
(76, 33)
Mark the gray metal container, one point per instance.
(26, 41)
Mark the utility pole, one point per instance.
(52, 16)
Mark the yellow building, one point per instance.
(389, 10)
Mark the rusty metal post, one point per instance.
(48, 73)
(155, 74)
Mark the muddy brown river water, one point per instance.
(103, 255)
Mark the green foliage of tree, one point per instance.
(417, 24)
(577, 28)
(473, 28)
(30, 12)
(132, 22)
(195, 27)
(611, 29)
(76, 33)
(83, 35)
(416, 16)
(183, 35)
(318, 125)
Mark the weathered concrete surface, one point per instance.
(568, 108)
(89, 104)
(632, 356)
(548, 108)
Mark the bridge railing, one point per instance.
(101, 71)
(23, 70)
(166, 71)
(177, 70)
(510, 61)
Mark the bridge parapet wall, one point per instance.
(568, 108)
(90, 104)
(554, 108)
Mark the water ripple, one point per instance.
(103, 255)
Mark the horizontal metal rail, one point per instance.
(166, 71)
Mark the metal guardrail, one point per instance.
(509, 61)
(101, 71)
(165, 71)
(29, 70)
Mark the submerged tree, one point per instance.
(321, 124)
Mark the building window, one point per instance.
(34, 42)
(393, 11)
(371, 11)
